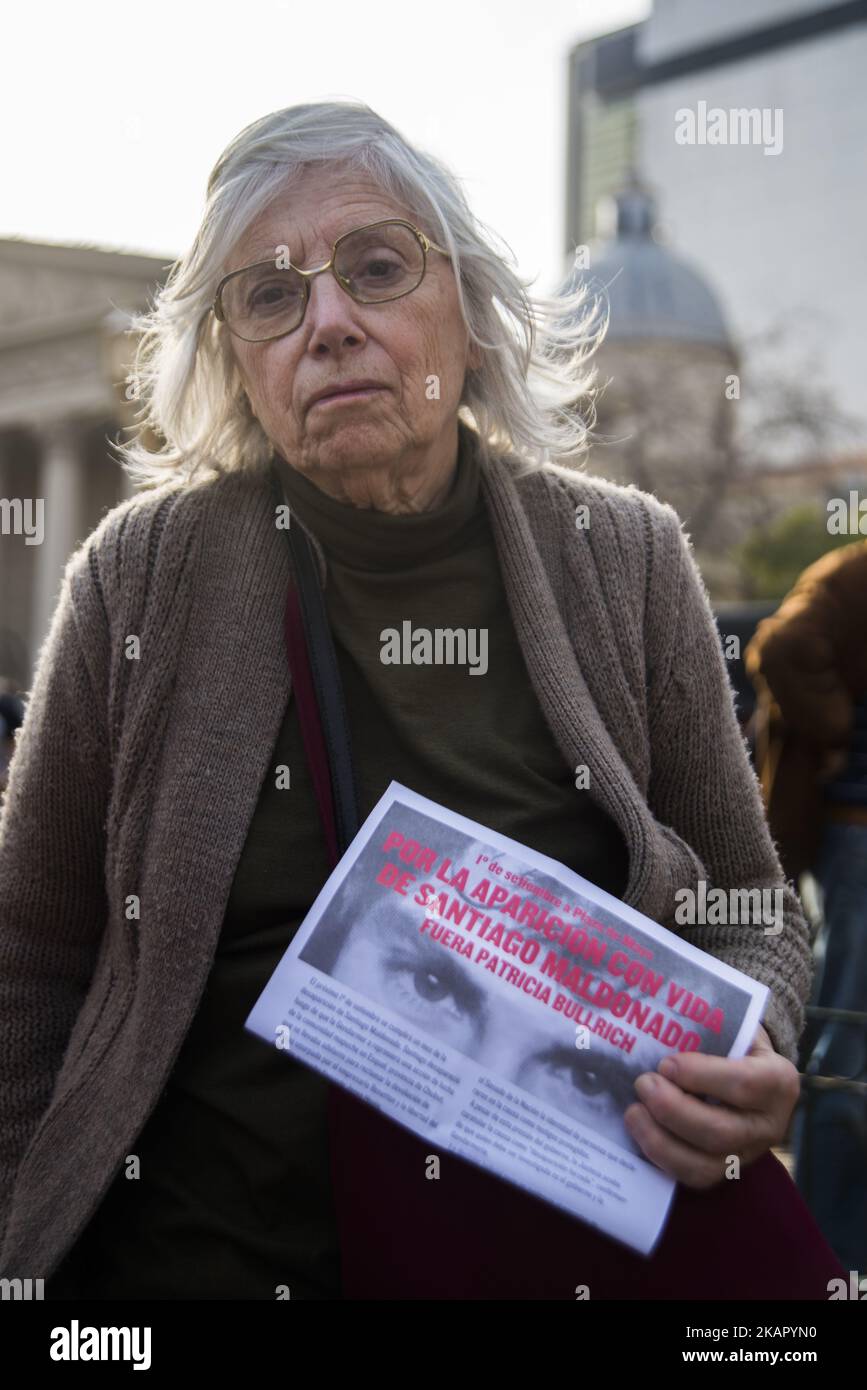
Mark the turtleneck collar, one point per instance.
(372, 540)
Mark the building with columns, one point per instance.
(64, 354)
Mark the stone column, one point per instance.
(59, 482)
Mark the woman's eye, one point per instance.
(380, 268)
(274, 294)
(265, 296)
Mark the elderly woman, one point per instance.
(341, 318)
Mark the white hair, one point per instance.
(532, 396)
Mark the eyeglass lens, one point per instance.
(373, 264)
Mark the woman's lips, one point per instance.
(348, 396)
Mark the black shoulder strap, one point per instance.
(325, 673)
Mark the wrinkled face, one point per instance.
(400, 344)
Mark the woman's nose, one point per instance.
(328, 301)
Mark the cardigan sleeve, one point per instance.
(53, 905)
(704, 787)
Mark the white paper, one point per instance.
(495, 1002)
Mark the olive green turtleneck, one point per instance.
(475, 742)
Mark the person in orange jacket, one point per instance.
(808, 662)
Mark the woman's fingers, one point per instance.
(691, 1138)
(763, 1081)
(714, 1129)
(676, 1158)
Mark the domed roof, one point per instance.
(652, 293)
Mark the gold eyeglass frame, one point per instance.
(307, 275)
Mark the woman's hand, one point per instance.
(691, 1140)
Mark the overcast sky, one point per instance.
(112, 115)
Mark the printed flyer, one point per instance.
(495, 1002)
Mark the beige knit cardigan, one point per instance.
(140, 776)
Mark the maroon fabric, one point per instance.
(468, 1235)
(308, 716)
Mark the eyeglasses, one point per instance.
(375, 263)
